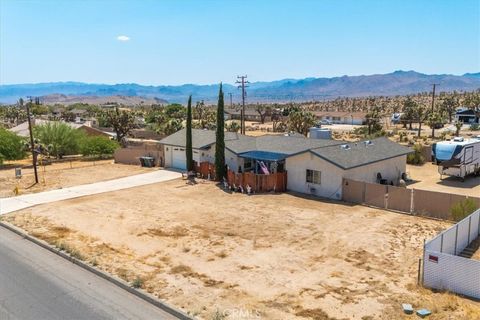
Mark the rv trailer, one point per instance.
(458, 157)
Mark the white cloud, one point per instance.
(123, 38)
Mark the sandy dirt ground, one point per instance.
(274, 256)
(428, 178)
(65, 174)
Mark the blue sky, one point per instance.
(207, 41)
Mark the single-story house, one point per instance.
(250, 115)
(313, 166)
(338, 117)
(22, 128)
(466, 116)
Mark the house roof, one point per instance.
(465, 112)
(283, 144)
(279, 147)
(356, 154)
(22, 128)
(200, 138)
(356, 114)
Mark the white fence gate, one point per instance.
(443, 269)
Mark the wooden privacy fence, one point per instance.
(206, 170)
(415, 201)
(259, 182)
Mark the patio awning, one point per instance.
(263, 155)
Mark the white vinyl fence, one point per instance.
(443, 269)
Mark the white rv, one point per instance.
(458, 157)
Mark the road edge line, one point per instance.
(118, 282)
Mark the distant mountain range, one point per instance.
(395, 83)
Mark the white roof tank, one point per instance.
(320, 133)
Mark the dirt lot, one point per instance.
(278, 256)
(65, 174)
(428, 178)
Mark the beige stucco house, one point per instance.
(313, 166)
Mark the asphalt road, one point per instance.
(37, 284)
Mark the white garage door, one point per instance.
(178, 159)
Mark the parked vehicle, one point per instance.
(458, 157)
(325, 122)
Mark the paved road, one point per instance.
(8, 205)
(37, 284)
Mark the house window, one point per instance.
(313, 176)
(247, 164)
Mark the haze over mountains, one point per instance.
(395, 83)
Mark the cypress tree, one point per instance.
(189, 148)
(220, 139)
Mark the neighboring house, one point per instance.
(79, 114)
(22, 129)
(250, 115)
(466, 116)
(356, 118)
(58, 112)
(313, 166)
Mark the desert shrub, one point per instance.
(475, 127)
(416, 157)
(377, 131)
(98, 146)
(11, 146)
(137, 283)
(60, 138)
(462, 209)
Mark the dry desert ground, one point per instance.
(62, 174)
(277, 256)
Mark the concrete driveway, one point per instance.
(8, 205)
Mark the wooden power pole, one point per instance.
(242, 84)
(433, 96)
(32, 144)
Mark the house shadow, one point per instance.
(469, 183)
(315, 198)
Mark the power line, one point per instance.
(242, 84)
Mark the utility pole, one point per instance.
(32, 144)
(231, 104)
(242, 84)
(433, 96)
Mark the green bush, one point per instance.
(137, 283)
(416, 157)
(462, 209)
(59, 137)
(475, 127)
(98, 146)
(12, 147)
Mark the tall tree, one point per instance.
(189, 148)
(434, 119)
(220, 139)
(301, 121)
(373, 120)
(421, 114)
(409, 107)
(122, 122)
(263, 111)
(449, 105)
